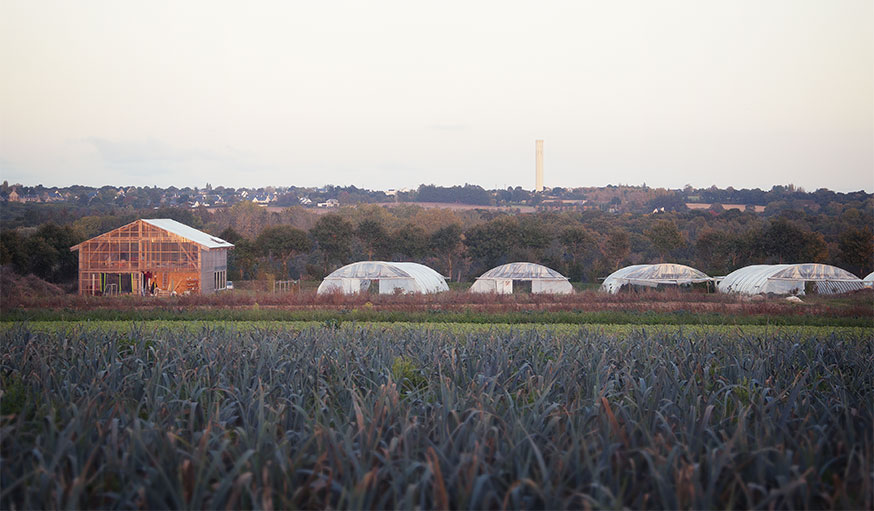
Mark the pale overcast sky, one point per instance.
(392, 94)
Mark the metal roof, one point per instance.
(522, 271)
(651, 275)
(189, 233)
(789, 279)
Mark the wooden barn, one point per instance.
(153, 257)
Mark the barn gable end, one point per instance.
(154, 256)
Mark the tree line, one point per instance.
(76, 201)
(584, 245)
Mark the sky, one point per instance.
(391, 94)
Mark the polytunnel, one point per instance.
(786, 279)
(653, 275)
(390, 277)
(870, 277)
(543, 280)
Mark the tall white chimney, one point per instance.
(538, 179)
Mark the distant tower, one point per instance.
(538, 180)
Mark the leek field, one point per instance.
(278, 415)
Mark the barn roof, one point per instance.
(189, 233)
(172, 226)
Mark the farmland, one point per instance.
(289, 257)
(158, 328)
(259, 400)
(586, 307)
(284, 414)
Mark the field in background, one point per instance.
(389, 416)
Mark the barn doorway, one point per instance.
(119, 283)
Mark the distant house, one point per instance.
(330, 203)
(13, 197)
(556, 203)
(392, 192)
(163, 254)
(739, 207)
(31, 197)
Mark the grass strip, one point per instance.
(562, 329)
(680, 317)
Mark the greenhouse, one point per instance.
(501, 280)
(790, 279)
(653, 275)
(869, 278)
(389, 278)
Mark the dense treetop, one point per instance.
(585, 240)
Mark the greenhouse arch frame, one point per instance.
(390, 277)
(653, 275)
(499, 280)
(789, 279)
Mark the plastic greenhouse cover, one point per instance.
(550, 286)
(426, 279)
(750, 279)
(870, 277)
(789, 279)
(652, 275)
(814, 271)
(832, 287)
(522, 271)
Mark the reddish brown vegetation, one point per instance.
(13, 286)
(860, 304)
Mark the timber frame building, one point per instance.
(154, 256)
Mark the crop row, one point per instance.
(158, 328)
(405, 417)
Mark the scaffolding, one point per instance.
(139, 258)
(286, 286)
